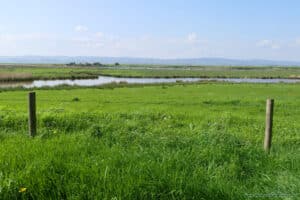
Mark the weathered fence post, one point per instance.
(269, 125)
(32, 114)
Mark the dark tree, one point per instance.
(97, 64)
(71, 64)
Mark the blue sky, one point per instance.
(267, 29)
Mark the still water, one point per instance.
(101, 80)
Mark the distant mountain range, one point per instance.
(129, 60)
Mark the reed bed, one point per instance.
(15, 77)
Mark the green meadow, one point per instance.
(204, 72)
(180, 141)
(45, 72)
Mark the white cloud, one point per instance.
(81, 39)
(141, 46)
(99, 34)
(263, 43)
(275, 46)
(95, 40)
(105, 44)
(25, 37)
(298, 41)
(268, 44)
(192, 37)
(81, 28)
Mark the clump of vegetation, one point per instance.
(75, 99)
(95, 131)
(123, 82)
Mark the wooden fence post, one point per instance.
(32, 114)
(269, 125)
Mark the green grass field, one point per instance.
(206, 72)
(197, 141)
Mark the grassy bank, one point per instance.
(153, 142)
(207, 72)
(37, 72)
(48, 72)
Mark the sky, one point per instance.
(249, 29)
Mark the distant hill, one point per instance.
(128, 60)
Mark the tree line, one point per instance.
(87, 64)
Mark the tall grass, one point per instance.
(156, 142)
(15, 77)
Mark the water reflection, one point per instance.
(15, 84)
(101, 80)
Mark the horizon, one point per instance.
(205, 61)
(153, 30)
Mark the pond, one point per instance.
(101, 80)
